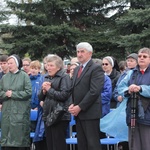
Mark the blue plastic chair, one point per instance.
(71, 124)
(110, 141)
(33, 117)
(71, 133)
(72, 142)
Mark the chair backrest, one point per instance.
(33, 115)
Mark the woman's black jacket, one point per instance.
(59, 91)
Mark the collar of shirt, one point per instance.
(143, 69)
(107, 74)
(84, 65)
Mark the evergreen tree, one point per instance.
(133, 28)
(2, 13)
(56, 26)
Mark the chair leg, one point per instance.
(116, 147)
(32, 146)
(70, 146)
(111, 147)
(107, 147)
(73, 146)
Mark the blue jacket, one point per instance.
(36, 82)
(143, 104)
(115, 92)
(106, 96)
(40, 129)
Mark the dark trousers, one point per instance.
(41, 145)
(139, 137)
(56, 136)
(88, 134)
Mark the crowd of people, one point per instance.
(87, 89)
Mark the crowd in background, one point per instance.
(103, 84)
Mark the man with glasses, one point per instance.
(136, 88)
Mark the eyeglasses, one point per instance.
(106, 64)
(144, 56)
(26, 65)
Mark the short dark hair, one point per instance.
(3, 58)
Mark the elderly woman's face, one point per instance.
(52, 68)
(12, 65)
(107, 67)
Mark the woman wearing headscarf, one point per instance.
(15, 90)
(111, 69)
(114, 123)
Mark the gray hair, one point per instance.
(57, 60)
(85, 45)
(97, 61)
(144, 50)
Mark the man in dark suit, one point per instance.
(86, 105)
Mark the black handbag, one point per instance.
(56, 115)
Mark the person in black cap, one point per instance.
(15, 90)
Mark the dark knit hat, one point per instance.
(134, 56)
(17, 60)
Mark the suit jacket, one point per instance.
(86, 91)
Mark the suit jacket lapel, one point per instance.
(77, 80)
(75, 75)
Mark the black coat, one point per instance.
(59, 91)
(114, 76)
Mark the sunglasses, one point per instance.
(144, 56)
(106, 64)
